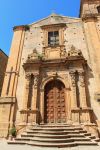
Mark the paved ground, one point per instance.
(5, 146)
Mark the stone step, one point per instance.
(17, 142)
(97, 139)
(91, 137)
(53, 136)
(46, 140)
(55, 132)
(27, 135)
(46, 136)
(87, 134)
(56, 125)
(87, 143)
(56, 129)
(43, 144)
(24, 139)
(59, 145)
(52, 140)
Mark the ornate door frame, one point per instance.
(67, 96)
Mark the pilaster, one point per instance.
(26, 92)
(73, 81)
(83, 100)
(13, 66)
(74, 109)
(35, 98)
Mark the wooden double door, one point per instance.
(55, 106)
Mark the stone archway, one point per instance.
(54, 102)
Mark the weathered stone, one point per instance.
(3, 64)
(54, 80)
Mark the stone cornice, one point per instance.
(28, 111)
(81, 109)
(21, 27)
(54, 62)
(89, 17)
(81, 6)
(55, 46)
(53, 25)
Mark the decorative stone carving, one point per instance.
(28, 76)
(34, 55)
(83, 100)
(73, 78)
(36, 78)
(81, 78)
(54, 52)
(63, 52)
(74, 52)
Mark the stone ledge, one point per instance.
(89, 17)
(82, 109)
(7, 100)
(28, 111)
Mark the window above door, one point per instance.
(53, 35)
(53, 38)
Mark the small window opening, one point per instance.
(53, 38)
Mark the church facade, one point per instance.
(53, 72)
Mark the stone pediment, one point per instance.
(55, 19)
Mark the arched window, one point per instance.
(98, 9)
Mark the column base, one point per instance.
(81, 115)
(29, 116)
(7, 106)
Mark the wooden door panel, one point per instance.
(55, 103)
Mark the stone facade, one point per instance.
(56, 83)
(3, 64)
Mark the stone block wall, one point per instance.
(3, 64)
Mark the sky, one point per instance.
(20, 12)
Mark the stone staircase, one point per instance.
(55, 136)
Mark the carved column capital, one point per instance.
(28, 76)
(81, 72)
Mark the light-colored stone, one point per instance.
(33, 64)
(3, 64)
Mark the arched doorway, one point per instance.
(54, 102)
